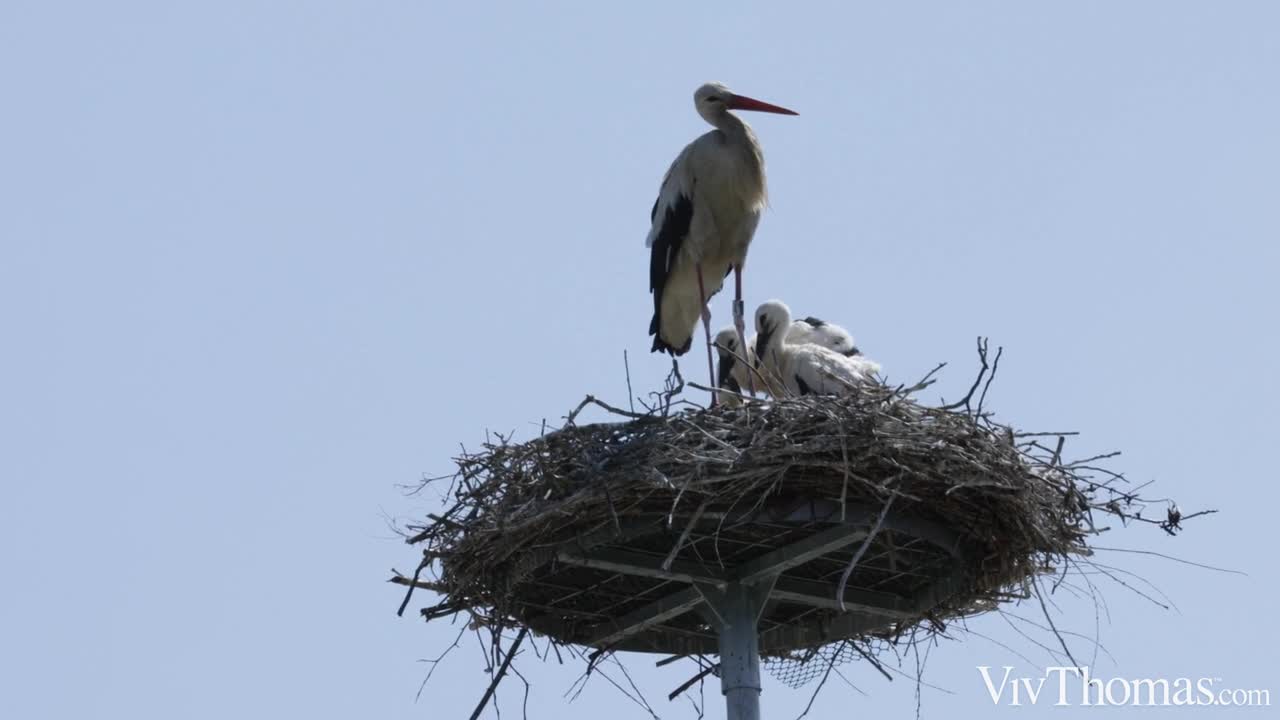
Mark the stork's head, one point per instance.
(726, 343)
(828, 335)
(714, 99)
(772, 322)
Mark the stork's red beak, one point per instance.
(742, 102)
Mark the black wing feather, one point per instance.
(725, 378)
(803, 386)
(666, 248)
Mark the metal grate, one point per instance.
(800, 668)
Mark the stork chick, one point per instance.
(820, 332)
(734, 372)
(804, 368)
(735, 366)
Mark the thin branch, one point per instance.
(690, 682)
(995, 365)
(866, 543)
(875, 663)
(830, 664)
(964, 401)
(631, 396)
(436, 663)
(1048, 617)
(1174, 559)
(497, 678)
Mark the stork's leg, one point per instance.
(740, 325)
(706, 329)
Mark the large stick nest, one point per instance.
(1016, 506)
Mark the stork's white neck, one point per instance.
(734, 127)
(742, 142)
(775, 337)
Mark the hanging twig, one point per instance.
(675, 549)
(866, 543)
(689, 683)
(875, 663)
(1049, 618)
(497, 678)
(830, 664)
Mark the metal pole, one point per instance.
(735, 612)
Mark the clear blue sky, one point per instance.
(263, 262)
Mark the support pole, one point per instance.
(735, 612)
(739, 657)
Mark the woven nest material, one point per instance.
(869, 523)
(977, 511)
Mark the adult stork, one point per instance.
(804, 368)
(703, 221)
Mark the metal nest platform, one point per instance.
(649, 588)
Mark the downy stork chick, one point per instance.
(734, 375)
(734, 369)
(820, 332)
(804, 368)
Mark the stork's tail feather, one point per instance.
(660, 345)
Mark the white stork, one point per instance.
(820, 332)
(733, 369)
(804, 368)
(703, 221)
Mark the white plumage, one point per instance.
(733, 373)
(804, 368)
(820, 332)
(704, 218)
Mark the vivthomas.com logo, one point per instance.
(1076, 686)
